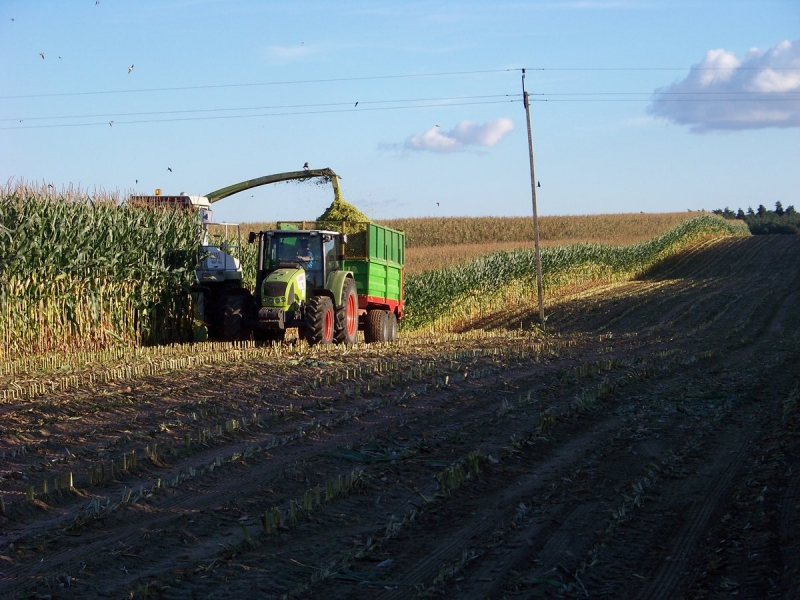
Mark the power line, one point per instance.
(265, 83)
(381, 77)
(278, 114)
(276, 107)
(540, 97)
(436, 103)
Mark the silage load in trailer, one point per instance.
(343, 216)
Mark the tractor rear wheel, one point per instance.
(319, 320)
(347, 315)
(376, 329)
(234, 307)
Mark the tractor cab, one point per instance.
(293, 266)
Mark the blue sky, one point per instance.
(636, 105)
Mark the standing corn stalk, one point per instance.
(79, 271)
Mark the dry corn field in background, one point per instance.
(642, 445)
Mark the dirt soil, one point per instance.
(646, 446)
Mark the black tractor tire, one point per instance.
(234, 309)
(216, 296)
(319, 321)
(376, 328)
(346, 331)
(392, 326)
(213, 314)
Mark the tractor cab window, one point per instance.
(329, 250)
(291, 251)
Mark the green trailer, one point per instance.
(376, 257)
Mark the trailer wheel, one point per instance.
(392, 326)
(376, 329)
(319, 320)
(234, 307)
(347, 315)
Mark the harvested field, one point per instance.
(645, 447)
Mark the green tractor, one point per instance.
(299, 283)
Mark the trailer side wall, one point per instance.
(378, 273)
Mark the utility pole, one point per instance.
(533, 199)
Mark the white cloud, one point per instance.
(724, 92)
(463, 135)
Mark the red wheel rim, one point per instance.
(328, 324)
(352, 317)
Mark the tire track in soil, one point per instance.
(510, 487)
(695, 514)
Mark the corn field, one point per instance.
(457, 292)
(81, 271)
(85, 271)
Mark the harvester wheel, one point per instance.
(347, 315)
(376, 329)
(319, 320)
(213, 314)
(233, 310)
(392, 326)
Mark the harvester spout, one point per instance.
(277, 177)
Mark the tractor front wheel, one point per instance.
(319, 320)
(347, 315)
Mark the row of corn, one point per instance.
(81, 271)
(431, 294)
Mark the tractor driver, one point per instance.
(305, 255)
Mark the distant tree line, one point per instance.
(762, 221)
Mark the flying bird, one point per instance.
(437, 204)
(137, 181)
(305, 165)
(42, 55)
(169, 169)
(111, 123)
(130, 69)
(538, 184)
(356, 104)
